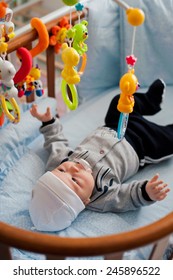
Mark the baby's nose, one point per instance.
(74, 168)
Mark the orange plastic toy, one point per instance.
(128, 86)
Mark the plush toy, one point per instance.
(25, 57)
(8, 92)
(3, 7)
(26, 65)
(7, 72)
(38, 87)
(71, 58)
(58, 34)
(26, 76)
(32, 83)
(79, 33)
(43, 41)
(7, 26)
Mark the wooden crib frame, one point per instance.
(54, 247)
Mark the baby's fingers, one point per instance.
(154, 178)
(161, 192)
(156, 184)
(48, 112)
(33, 110)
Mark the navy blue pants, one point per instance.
(152, 142)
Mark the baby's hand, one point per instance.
(47, 116)
(156, 189)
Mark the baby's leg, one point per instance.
(152, 142)
(149, 103)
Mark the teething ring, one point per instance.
(16, 110)
(83, 65)
(72, 105)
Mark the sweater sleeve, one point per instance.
(120, 198)
(55, 143)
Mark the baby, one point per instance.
(94, 174)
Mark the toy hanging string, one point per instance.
(79, 7)
(70, 40)
(133, 40)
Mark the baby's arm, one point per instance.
(156, 189)
(55, 142)
(46, 117)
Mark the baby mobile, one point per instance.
(26, 80)
(74, 49)
(128, 83)
(8, 91)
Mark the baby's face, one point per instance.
(76, 177)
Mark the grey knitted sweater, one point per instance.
(112, 162)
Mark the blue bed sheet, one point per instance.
(22, 162)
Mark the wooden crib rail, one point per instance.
(55, 247)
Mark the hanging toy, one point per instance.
(39, 91)
(71, 55)
(26, 64)
(43, 36)
(3, 7)
(27, 79)
(128, 86)
(33, 83)
(128, 83)
(58, 34)
(8, 92)
(70, 76)
(6, 25)
(79, 33)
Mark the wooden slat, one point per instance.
(159, 249)
(50, 57)
(5, 252)
(54, 257)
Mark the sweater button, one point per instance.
(101, 152)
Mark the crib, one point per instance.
(153, 234)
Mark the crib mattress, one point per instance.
(22, 162)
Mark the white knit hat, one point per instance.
(54, 206)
